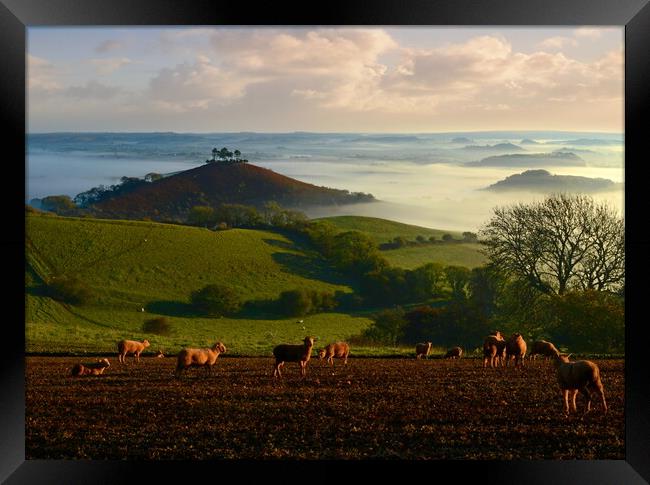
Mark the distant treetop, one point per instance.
(225, 156)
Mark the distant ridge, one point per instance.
(497, 147)
(544, 181)
(213, 184)
(532, 159)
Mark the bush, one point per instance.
(295, 303)
(300, 302)
(158, 326)
(216, 300)
(68, 289)
(388, 327)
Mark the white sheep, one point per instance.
(338, 349)
(199, 358)
(293, 353)
(581, 375)
(516, 349)
(494, 347)
(90, 368)
(422, 349)
(134, 347)
(454, 353)
(542, 347)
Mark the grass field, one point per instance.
(382, 231)
(461, 254)
(130, 265)
(368, 409)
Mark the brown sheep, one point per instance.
(293, 353)
(516, 349)
(494, 347)
(90, 368)
(454, 353)
(338, 349)
(125, 347)
(581, 375)
(199, 358)
(422, 349)
(542, 347)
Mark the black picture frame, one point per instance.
(16, 15)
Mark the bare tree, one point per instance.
(563, 242)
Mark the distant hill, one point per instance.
(383, 230)
(544, 181)
(528, 141)
(498, 147)
(215, 183)
(533, 159)
(462, 139)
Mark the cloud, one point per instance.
(558, 42)
(110, 64)
(92, 90)
(196, 85)
(109, 46)
(589, 33)
(41, 75)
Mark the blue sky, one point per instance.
(379, 79)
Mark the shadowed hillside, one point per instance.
(213, 184)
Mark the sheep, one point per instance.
(422, 349)
(293, 353)
(90, 368)
(199, 358)
(542, 347)
(454, 353)
(125, 347)
(338, 349)
(516, 349)
(581, 375)
(159, 354)
(494, 347)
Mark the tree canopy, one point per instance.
(562, 243)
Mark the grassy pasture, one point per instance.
(382, 231)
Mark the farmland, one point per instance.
(410, 257)
(373, 408)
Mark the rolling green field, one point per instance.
(461, 254)
(382, 231)
(131, 265)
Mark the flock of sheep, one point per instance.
(580, 376)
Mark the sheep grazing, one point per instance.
(90, 368)
(159, 354)
(542, 347)
(581, 375)
(199, 358)
(454, 353)
(293, 353)
(422, 349)
(339, 350)
(494, 347)
(516, 349)
(125, 347)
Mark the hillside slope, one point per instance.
(383, 230)
(139, 262)
(215, 183)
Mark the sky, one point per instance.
(284, 79)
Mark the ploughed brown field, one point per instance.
(373, 408)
